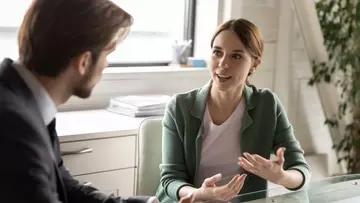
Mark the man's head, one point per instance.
(71, 39)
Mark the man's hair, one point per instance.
(53, 32)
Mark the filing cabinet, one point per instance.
(107, 164)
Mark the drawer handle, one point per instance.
(82, 151)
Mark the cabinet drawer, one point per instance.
(91, 156)
(119, 182)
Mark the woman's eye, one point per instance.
(236, 56)
(216, 53)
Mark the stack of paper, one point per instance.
(139, 105)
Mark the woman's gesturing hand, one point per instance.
(271, 170)
(209, 190)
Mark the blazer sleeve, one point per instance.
(77, 192)
(23, 175)
(284, 137)
(173, 169)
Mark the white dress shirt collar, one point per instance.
(45, 104)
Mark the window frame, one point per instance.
(189, 33)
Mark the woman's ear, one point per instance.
(256, 64)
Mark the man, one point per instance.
(63, 45)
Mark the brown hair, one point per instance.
(248, 34)
(53, 32)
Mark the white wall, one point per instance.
(206, 23)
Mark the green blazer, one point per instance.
(265, 128)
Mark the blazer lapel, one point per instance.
(15, 83)
(250, 103)
(197, 112)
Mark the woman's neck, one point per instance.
(222, 104)
(228, 98)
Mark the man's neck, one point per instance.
(39, 87)
(57, 89)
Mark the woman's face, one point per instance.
(230, 61)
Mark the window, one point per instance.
(157, 24)
(11, 15)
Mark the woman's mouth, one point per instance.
(223, 78)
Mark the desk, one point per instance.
(99, 149)
(81, 125)
(340, 189)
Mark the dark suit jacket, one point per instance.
(31, 168)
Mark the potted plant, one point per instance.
(339, 21)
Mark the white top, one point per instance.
(221, 147)
(45, 104)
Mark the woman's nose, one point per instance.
(224, 62)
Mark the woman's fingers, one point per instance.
(242, 181)
(230, 190)
(233, 182)
(235, 190)
(252, 160)
(262, 161)
(245, 164)
(211, 181)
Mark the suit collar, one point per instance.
(43, 100)
(24, 84)
(11, 80)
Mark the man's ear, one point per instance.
(82, 63)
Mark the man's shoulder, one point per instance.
(14, 110)
(9, 102)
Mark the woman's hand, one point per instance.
(209, 190)
(188, 199)
(271, 170)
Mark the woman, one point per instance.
(217, 139)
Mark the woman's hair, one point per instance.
(248, 34)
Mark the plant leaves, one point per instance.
(358, 13)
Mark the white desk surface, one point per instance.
(92, 124)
